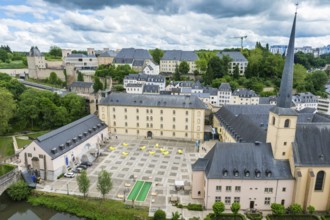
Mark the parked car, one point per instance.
(82, 166)
(87, 163)
(69, 175)
(77, 170)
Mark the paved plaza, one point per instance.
(149, 164)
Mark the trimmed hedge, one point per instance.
(254, 216)
(195, 207)
(292, 217)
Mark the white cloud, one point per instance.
(130, 26)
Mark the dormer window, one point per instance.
(246, 173)
(225, 172)
(268, 173)
(235, 172)
(257, 173)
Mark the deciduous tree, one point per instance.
(104, 183)
(19, 191)
(7, 109)
(184, 68)
(218, 208)
(83, 183)
(157, 54)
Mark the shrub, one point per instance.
(295, 209)
(180, 206)
(311, 209)
(195, 207)
(277, 209)
(60, 176)
(160, 215)
(19, 191)
(235, 207)
(218, 208)
(254, 216)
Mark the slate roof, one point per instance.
(182, 83)
(80, 55)
(81, 84)
(244, 93)
(312, 145)
(134, 85)
(225, 87)
(180, 55)
(234, 55)
(267, 100)
(145, 77)
(85, 128)
(247, 123)
(132, 54)
(240, 158)
(165, 101)
(306, 97)
(34, 52)
(108, 53)
(151, 88)
(197, 85)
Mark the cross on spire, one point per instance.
(297, 4)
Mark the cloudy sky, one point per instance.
(166, 24)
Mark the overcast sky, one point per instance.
(166, 24)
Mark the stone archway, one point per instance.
(149, 134)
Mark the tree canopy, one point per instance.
(83, 183)
(184, 68)
(157, 54)
(104, 183)
(116, 73)
(7, 109)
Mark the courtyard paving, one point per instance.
(162, 170)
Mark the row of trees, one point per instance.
(104, 183)
(7, 55)
(309, 61)
(22, 108)
(294, 209)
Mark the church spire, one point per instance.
(285, 96)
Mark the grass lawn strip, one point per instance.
(135, 191)
(89, 208)
(6, 147)
(21, 142)
(144, 192)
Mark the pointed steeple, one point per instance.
(285, 96)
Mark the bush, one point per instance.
(311, 209)
(277, 209)
(159, 215)
(235, 207)
(19, 191)
(218, 208)
(60, 176)
(295, 209)
(180, 206)
(195, 207)
(254, 216)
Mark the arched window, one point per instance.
(319, 180)
(287, 123)
(273, 120)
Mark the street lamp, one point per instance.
(125, 191)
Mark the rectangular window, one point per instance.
(173, 119)
(161, 133)
(237, 188)
(186, 120)
(218, 188)
(137, 117)
(125, 124)
(228, 188)
(114, 116)
(227, 200)
(137, 110)
(113, 109)
(186, 134)
(267, 200)
(126, 131)
(161, 118)
(137, 131)
(161, 111)
(114, 123)
(41, 156)
(186, 127)
(218, 199)
(268, 190)
(173, 134)
(137, 125)
(173, 112)
(173, 126)
(237, 199)
(125, 116)
(283, 189)
(187, 112)
(161, 125)
(125, 109)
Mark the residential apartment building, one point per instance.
(323, 106)
(134, 88)
(82, 61)
(278, 49)
(237, 60)
(145, 80)
(224, 94)
(161, 116)
(244, 97)
(135, 58)
(151, 68)
(173, 58)
(305, 100)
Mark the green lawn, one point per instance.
(17, 64)
(21, 143)
(5, 168)
(6, 147)
(88, 208)
(37, 134)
